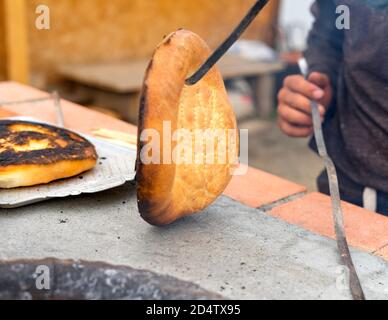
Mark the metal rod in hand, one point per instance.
(346, 258)
(225, 46)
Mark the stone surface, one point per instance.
(230, 249)
(364, 229)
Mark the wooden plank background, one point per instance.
(115, 30)
(2, 43)
(17, 55)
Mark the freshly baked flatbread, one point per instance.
(168, 191)
(32, 154)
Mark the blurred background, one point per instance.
(95, 53)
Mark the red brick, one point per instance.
(365, 230)
(6, 113)
(76, 117)
(257, 188)
(383, 252)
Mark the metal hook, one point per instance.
(225, 46)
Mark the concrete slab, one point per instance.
(231, 249)
(365, 229)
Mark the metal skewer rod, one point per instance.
(225, 46)
(343, 248)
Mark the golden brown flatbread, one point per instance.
(165, 191)
(32, 154)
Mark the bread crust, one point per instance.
(32, 154)
(169, 191)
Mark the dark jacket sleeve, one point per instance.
(325, 41)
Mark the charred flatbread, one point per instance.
(34, 153)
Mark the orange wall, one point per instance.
(112, 30)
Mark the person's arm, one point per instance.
(324, 56)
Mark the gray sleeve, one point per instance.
(325, 41)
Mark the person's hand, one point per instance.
(294, 109)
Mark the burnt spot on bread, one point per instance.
(143, 104)
(167, 39)
(142, 112)
(25, 143)
(24, 137)
(146, 208)
(149, 67)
